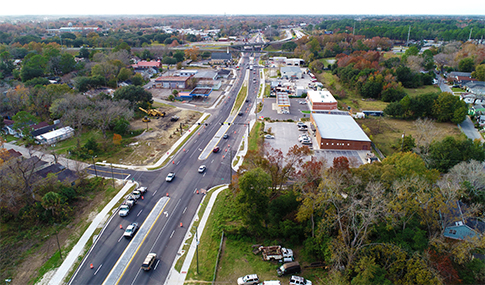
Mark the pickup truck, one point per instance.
(276, 252)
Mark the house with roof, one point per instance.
(206, 75)
(221, 58)
(143, 65)
(55, 136)
(224, 73)
(62, 173)
(459, 225)
(339, 131)
(172, 82)
(468, 98)
(475, 87)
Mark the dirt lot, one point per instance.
(161, 135)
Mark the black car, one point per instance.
(240, 114)
(226, 136)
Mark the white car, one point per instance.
(202, 168)
(124, 210)
(136, 194)
(298, 280)
(303, 137)
(131, 230)
(302, 102)
(142, 190)
(248, 280)
(170, 177)
(268, 136)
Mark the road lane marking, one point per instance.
(184, 210)
(98, 269)
(204, 174)
(156, 265)
(212, 161)
(178, 162)
(141, 243)
(154, 193)
(120, 238)
(172, 233)
(139, 212)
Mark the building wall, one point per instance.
(324, 143)
(323, 106)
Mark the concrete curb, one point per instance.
(175, 277)
(170, 152)
(77, 250)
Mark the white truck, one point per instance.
(276, 252)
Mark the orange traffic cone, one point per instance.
(180, 224)
(167, 194)
(91, 265)
(197, 191)
(121, 226)
(173, 161)
(142, 198)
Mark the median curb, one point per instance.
(175, 277)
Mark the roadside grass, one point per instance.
(457, 90)
(176, 149)
(158, 105)
(81, 227)
(422, 90)
(239, 99)
(254, 137)
(267, 90)
(386, 132)
(188, 242)
(236, 257)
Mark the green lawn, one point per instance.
(240, 99)
(422, 90)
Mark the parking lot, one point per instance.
(286, 136)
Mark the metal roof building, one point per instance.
(339, 132)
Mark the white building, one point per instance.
(55, 136)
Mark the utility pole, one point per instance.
(402, 142)
(58, 245)
(470, 36)
(409, 31)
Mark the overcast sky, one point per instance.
(251, 7)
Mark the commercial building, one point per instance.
(291, 72)
(321, 100)
(173, 82)
(339, 132)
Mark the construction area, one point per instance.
(161, 132)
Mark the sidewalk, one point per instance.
(78, 249)
(178, 278)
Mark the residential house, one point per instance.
(480, 100)
(55, 136)
(462, 80)
(458, 225)
(62, 173)
(475, 87)
(468, 98)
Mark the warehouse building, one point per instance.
(339, 132)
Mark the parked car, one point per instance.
(202, 168)
(289, 268)
(216, 149)
(149, 260)
(131, 230)
(170, 177)
(130, 201)
(301, 138)
(225, 136)
(142, 190)
(248, 280)
(136, 194)
(268, 136)
(124, 210)
(300, 124)
(298, 280)
(271, 282)
(306, 141)
(302, 102)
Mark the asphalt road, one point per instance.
(166, 235)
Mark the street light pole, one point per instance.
(112, 176)
(58, 245)
(94, 165)
(197, 248)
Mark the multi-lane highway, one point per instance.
(166, 234)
